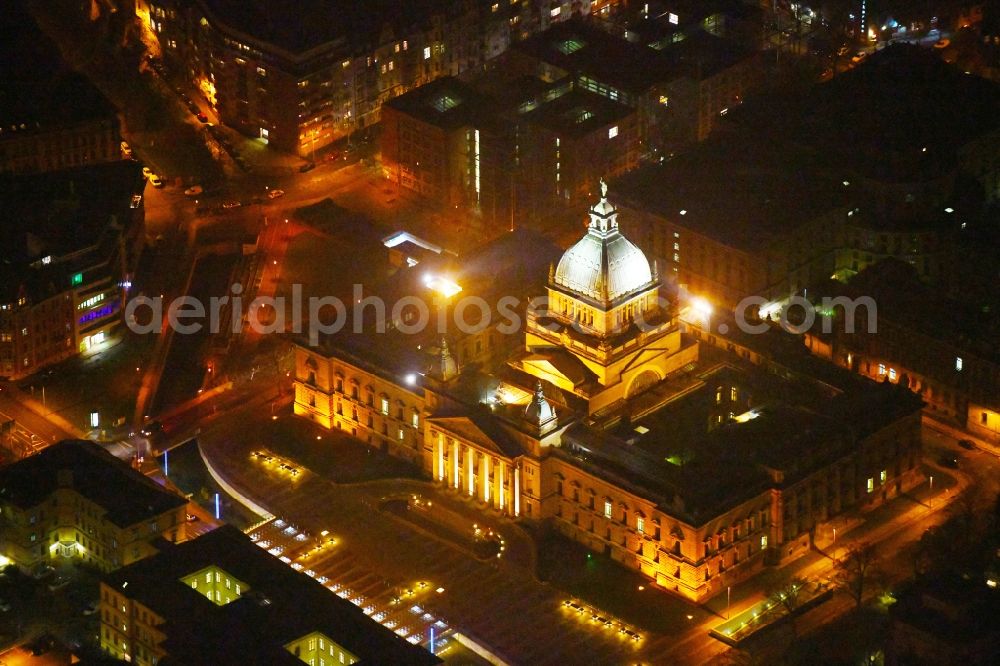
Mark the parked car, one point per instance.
(202, 117)
(307, 167)
(156, 181)
(967, 444)
(231, 204)
(949, 461)
(193, 191)
(147, 172)
(274, 194)
(42, 571)
(91, 607)
(151, 428)
(58, 583)
(42, 644)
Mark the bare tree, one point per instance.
(787, 595)
(857, 570)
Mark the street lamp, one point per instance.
(729, 599)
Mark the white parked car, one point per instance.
(156, 181)
(194, 190)
(274, 194)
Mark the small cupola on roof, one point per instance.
(604, 265)
(539, 413)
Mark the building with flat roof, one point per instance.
(51, 117)
(220, 599)
(74, 501)
(684, 457)
(940, 347)
(67, 255)
(302, 75)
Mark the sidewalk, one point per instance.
(879, 524)
(42, 411)
(958, 433)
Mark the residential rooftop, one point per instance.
(127, 496)
(900, 116)
(736, 188)
(58, 214)
(277, 607)
(298, 27)
(38, 91)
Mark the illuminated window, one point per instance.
(640, 525)
(568, 46)
(400, 434)
(427, 53)
(718, 395)
(555, 12)
(763, 542)
(958, 364)
(673, 18)
(733, 394)
(881, 476)
(77, 279)
(416, 419)
(881, 368)
(607, 509)
(495, 7)
(664, 100)
(892, 374)
(871, 484)
(613, 132)
(385, 406)
(261, 71)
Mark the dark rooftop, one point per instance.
(738, 189)
(37, 89)
(904, 299)
(60, 213)
(878, 118)
(577, 113)
(127, 496)
(681, 457)
(297, 27)
(579, 47)
(281, 606)
(521, 256)
(445, 102)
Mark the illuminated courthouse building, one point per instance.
(220, 599)
(692, 462)
(68, 251)
(300, 75)
(75, 501)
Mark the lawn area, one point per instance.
(600, 581)
(331, 454)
